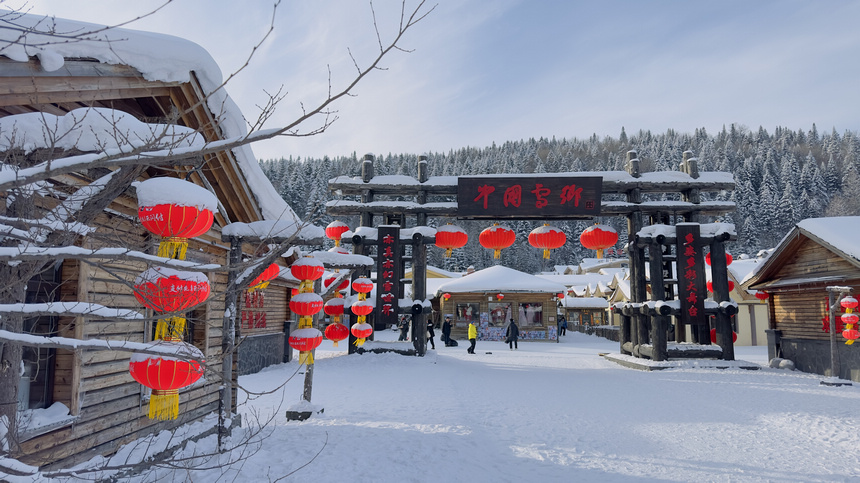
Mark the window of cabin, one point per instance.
(35, 390)
(531, 314)
(500, 313)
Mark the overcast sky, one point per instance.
(484, 71)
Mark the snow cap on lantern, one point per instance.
(497, 238)
(335, 229)
(175, 210)
(599, 237)
(450, 237)
(548, 238)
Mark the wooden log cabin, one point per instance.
(155, 79)
(817, 253)
(492, 296)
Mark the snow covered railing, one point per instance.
(21, 254)
(671, 307)
(157, 348)
(69, 308)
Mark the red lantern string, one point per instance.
(450, 237)
(335, 229)
(599, 237)
(548, 238)
(497, 238)
(849, 318)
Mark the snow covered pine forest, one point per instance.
(781, 179)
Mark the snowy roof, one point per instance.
(158, 57)
(578, 280)
(501, 279)
(584, 303)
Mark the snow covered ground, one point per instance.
(546, 412)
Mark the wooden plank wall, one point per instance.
(109, 404)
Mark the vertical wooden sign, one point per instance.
(387, 275)
(691, 274)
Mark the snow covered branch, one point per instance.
(69, 309)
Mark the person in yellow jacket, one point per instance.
(473, 336)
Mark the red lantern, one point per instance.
(849, 318)
(166, 375)
(361, 332)
(446, 296)
(848, 302)
(263, 279)
(450, 237)
(761, 296)
(334, 307)
(561, 295)
(599, 237)
(306, 339)
(547, 237)
(851, 335)
(335, 229)
(306, 304)
(362, 285)
(714, 336)
(336, 332)
(497, 238)
(307, 268)
(344, 284)
(167, 290)
(728, 259)
(361, 308)
(711, 286)
(175, 210)
(294, 292)
(500, 296)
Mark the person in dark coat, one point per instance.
(512, 334)
(446, 330)
(431, 333)
(404, 328)
(562, 325)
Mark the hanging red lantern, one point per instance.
(334, 307)
(849, 318)
(306, 339)
(294, 292)
(344, 284)
(263, 279)
(599, 237)
(307, 268)
(361, 308)
(548, 238)
(165, 375)
(362, 285)
(500, 296)
(497, 238)
(335, 229)
(361, 332)
(306, 304)
(711, 286)
(729, 259)
(336, 332)
(450, 237)
(164, 289)
(761, 295)
(561, 295)
(714, 336)
(446, 296)
(176, 210)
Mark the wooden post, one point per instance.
(419, 292)
(639, 329)
(720, 284)
(228, 340)
(658, 292)
(309, 368)
(423, 176)
(367, 195)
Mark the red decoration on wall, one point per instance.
(500, 296)
(335, 229)
(497, 238)
(450, 237)
(548, 238)
(446, 296)
(599, 237)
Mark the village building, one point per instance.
(147, 81)
(493, 296)
(816, 254)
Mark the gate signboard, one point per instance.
(519, 197)
(388, 275)
(691, 274)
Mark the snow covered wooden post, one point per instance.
(659, 322)
(635, 331)
(228, 340)
(720, 283)
(366, 195)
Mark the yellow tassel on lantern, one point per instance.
(173, 247)
(359, 342)
(164, 405)
(306, 357)
(546, 253)
(171, 328)
(497, 254)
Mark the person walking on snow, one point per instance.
(404, 328)
(431, 333)
(562, 323)
(446, 331)
(473, 337)
(511, 335)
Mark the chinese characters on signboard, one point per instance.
(528, 197)
(387, 275)
(691, 274)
